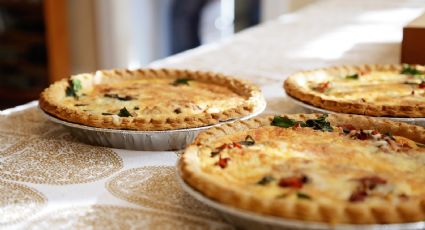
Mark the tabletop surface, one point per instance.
(50, 180)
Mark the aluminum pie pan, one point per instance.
(310, 108)
(249, 220)
(139, 140)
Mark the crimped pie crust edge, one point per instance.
(341, 106)
(254, 100)
(351, 213)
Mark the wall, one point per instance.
(82, 33)
(132, 33)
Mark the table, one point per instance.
(50, 180)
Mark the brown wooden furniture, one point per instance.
(56, 19)
(413, 45)
(34, 48)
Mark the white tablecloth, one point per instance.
(50, 180)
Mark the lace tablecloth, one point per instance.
(49, 180)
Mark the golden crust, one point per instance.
(52, 101)
(293, 89)
(300, 209)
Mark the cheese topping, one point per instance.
(140, 97)
(378, 87)
(333, 165)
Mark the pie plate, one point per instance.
(250, 220)
(312, 109)
(140, 140)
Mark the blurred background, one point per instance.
(42, 41)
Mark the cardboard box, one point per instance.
(413, 44)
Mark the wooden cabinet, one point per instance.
(34, 48)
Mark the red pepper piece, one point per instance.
(218, 150)
(357, 196)
(422, 85)
(362, 136)
(371, 182)
(223, 146)
(222, 162)
(322, 87)
(348, 126)
(293, 182)
(366, 184)
(374, 132)
(237, 145)
(297, 125)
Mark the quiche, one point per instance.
(373, 90)
(150, 99)
(336, 169)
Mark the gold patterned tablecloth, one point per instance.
(49, 180)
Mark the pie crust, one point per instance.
(152, 99)
(410, 102)
(222, 186)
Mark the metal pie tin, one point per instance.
(312, 109)
(250, 220)
(139, 140)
